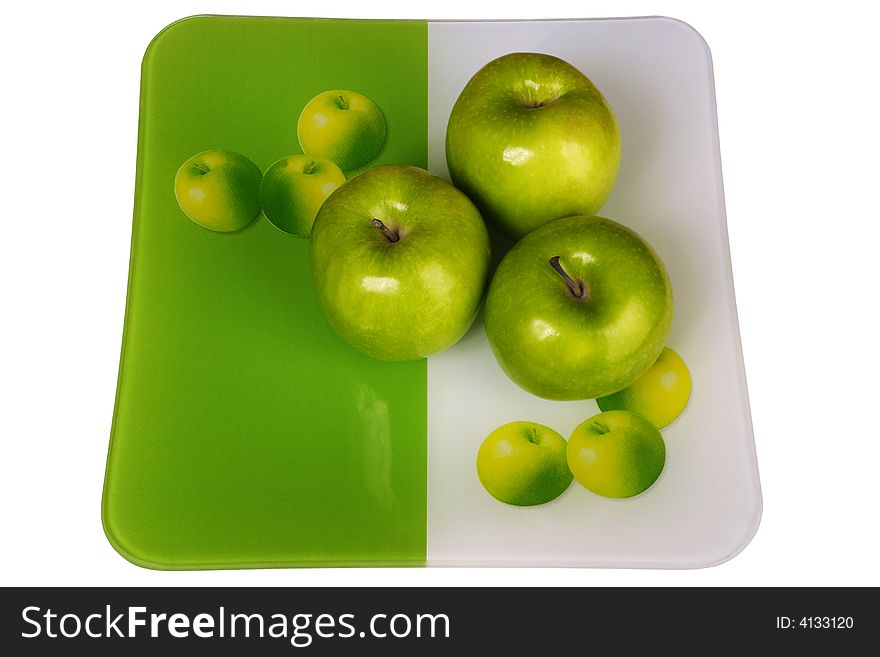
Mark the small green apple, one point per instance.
(578, 309)
(616, 454)
(531, 139)
(219, 190)
(659, 395)
(293, 190)
(523, 463)
(343, 126)
(400, 260)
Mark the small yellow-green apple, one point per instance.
(523, 463)
(578, 309)
(293, 190)
(400, 260)
(343, 126)
(219, 190)
(531, 139)
(616, 454)
(659, 395)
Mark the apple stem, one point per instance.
(390, 235)
(598, 427)
(577, 289)
(310, 167)
(343, 104)
(201, 168)
(533, 435)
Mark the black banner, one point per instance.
(407, 621)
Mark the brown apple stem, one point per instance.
(576, 289)
(343, 104)
(390, 235)
(310, 167)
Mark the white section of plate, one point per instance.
(706, 506)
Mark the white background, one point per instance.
(798, 115)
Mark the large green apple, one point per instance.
(343, 126)
(616, 454)
(659, 395)
(578, 309)
(524, 463)
(400, 260)
(531, 139)
(219, 190)
(293, 190)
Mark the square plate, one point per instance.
(247, 434)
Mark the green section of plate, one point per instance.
(246, 433)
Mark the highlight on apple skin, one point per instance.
(293, 190)
(531, 139)
(578, 309)
(616, 454)
(219, 190)
(524, 464)
(400, 260)
(659, 395)
(343, 126)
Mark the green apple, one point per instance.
(343, 126)
(659, 395)
(578, 309)
(616, 454)
(293, 190)
(400, 260)
(219, 190)
(531, 139)
(523, 463)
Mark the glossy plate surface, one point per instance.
(247, 434)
